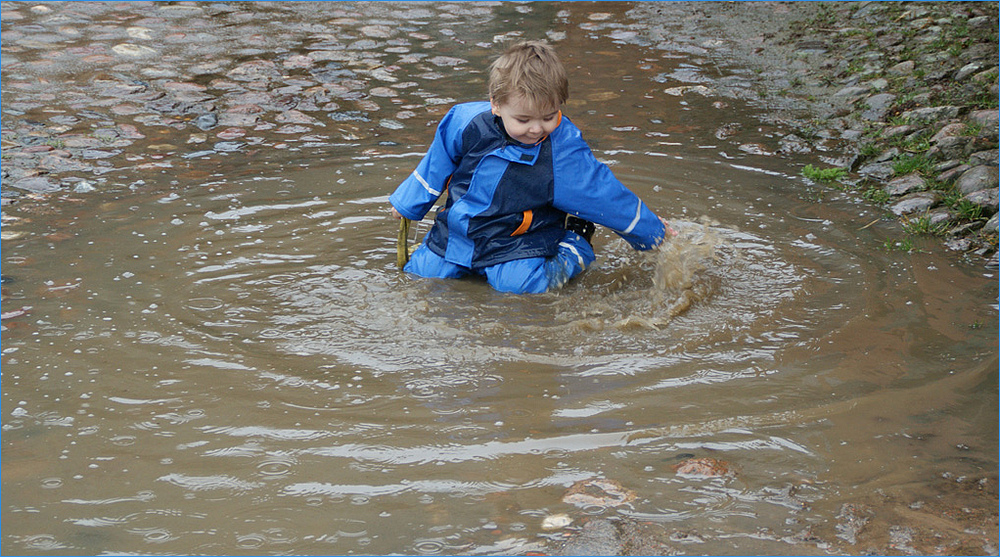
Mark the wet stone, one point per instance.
(231, 133)
(940, 216)
(377, 31)
(793, 144)
(705, 467)
(298, 61)
(756, 149)
(915, 203)
(877, 170)
(206, 121)
(255, 70)
(349, 116)
(904, 184)
(237, 120)
(295, 117)
(598, 492)
(198, 154)
(598, 537)
(37, 185)
(446, 61)
(227, 146)
(853, 519)
(98, 154)
(878, 106)
(133, 50)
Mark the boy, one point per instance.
(523, 187)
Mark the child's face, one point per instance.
(524, 122)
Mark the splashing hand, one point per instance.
(670, 231)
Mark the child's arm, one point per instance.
(587, 188)
(421, 189)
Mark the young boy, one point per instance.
(523, 187)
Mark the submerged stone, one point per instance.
(36, 184)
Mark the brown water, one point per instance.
(223, 358)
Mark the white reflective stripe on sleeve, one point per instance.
(424, 183)
(635, 221)
(572, 248)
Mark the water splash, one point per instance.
(680, 278)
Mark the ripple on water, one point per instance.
(631, 303)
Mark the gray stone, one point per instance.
(940, 216)
(977, 178)
(958, 244)
(254, 70)
(988, 119)
(986, 199)
(982, 21)
(991, 225)
(888, 155)
(967, 70)
(895, 131)
(878, 106)
(37, 184)
(792, 144)
(227, 146)
(905, 184)
(206, 121)
(876, 170)
(988, 158)
(852, 91)
(918, 202)
(950, 130)
(965, 229)
(949, 175)
(598, 537)
(932, 114)
(902, 68)
(238, 120)
(950, 147)
(880, 84)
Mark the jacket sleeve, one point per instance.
(421, 189)
(587, 188)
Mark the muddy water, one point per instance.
(225, 360)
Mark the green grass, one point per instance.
(923, 225)
(877, 195)
(964, 209)
(968, 210)
(907, 163)
(824, 174)
(904, 244)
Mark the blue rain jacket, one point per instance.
(507, 200)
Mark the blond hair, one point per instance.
(532, 70)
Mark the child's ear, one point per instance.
(494, 108)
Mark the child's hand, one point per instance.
(396, 214)
(670, 231)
